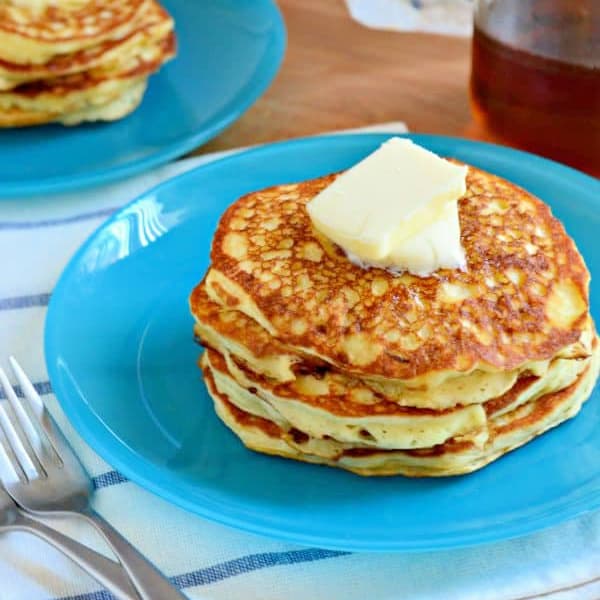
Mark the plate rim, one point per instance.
(135, 467)
(259, 85)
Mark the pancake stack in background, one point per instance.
(313, 358)
(70, 61)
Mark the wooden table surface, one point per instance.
(338, 74)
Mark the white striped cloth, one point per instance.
(207, 560)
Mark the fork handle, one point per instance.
(149, 582)
(103, 570)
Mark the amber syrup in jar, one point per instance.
(535, 79)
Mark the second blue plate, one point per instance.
(228, 52)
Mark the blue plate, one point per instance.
(228, 53)
(123, 364)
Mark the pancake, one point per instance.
(233, 332)
(116, 109)
(454, 457)
(73, 109)
(311, 357)
(523, 297)
(89, 95)
(152, 26)
(323, 408)
(342, 413)
(35, 32)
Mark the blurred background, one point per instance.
(535, 84)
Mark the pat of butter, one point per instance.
(397, 208)
(437, 246)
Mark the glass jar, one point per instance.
(535, 77)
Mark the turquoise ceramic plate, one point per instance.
(228, 53)
(122, 362)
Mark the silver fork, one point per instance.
(105, 571)
(43, 475)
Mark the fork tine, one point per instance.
(18, 443)
(10, 467)
(37, 428)
(21, 414)
(27, 387)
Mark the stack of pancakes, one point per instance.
(78, 60)
(311, 357)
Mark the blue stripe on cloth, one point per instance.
(42, 388)
(108, 479)
(18, 302)
(99, 595)
(15, 225)
(251, 562)
(231, 568)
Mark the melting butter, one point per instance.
(396, 209)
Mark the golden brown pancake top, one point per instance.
(60, 64)
(523, 297)
(59, 23)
